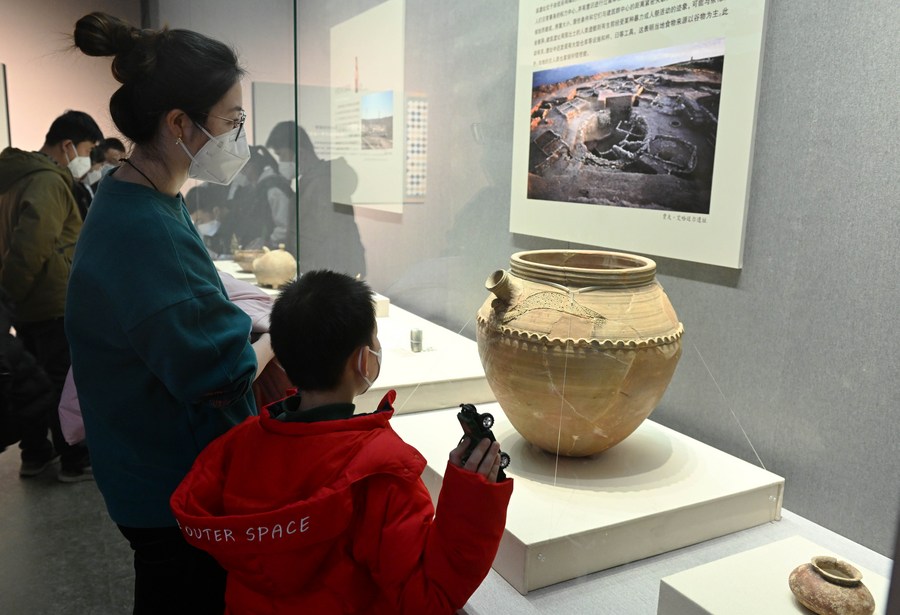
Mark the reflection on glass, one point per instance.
(327, 233)
(366, 75)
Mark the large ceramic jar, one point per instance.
(578, 346)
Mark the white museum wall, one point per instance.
(45, 75)
(797, 343)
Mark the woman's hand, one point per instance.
(484, 459)
(264, 353)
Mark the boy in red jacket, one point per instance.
(314, 509)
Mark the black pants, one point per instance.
(46, 341)
(171, 576)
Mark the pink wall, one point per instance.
(45, 76)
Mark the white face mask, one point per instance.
(93, 177)
(363, 374)
(288, 170)
(79, 165)
(220, 159)
(208, 229)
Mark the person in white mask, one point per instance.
(80, 163)
(39, 225)
(161, 358)
(208, 206)
(104, 158)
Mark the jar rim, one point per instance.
(581, 268)
(836, 571)
(571, 258)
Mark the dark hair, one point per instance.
(159, 70)
(283, 135)
(287, 135)
(317, 322)
(304, 143)
(291, 136)
(111, 143)
(75, 125)
(98, 154)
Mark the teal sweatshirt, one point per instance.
(161, 358)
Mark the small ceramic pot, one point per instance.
(829, 586)
(275, 268)
(245, 258)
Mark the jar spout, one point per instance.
(504, 286)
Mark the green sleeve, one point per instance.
(45, 206)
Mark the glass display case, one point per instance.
(393, 123)
(398, 126)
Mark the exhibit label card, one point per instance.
(634, 124)
(367, 103)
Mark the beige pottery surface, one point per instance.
(829, 586)
(275, 268)
(577, 346)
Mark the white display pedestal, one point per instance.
(447, 372)
(382, 304)
(656, 491)
(752, 583)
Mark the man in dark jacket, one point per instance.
(39, 224)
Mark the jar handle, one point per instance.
(504, 286)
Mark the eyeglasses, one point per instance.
(235, 123)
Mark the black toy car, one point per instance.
(477, 427)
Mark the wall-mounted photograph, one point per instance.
(376, 113)
(633, 126)
(632, 131)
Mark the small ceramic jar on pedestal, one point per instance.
(829, 586)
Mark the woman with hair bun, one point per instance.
(161, 358)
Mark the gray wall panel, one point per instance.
(802, 344)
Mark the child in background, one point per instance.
(314, 509)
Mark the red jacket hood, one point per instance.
(333, 517)
(225, 504)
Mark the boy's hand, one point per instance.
(484, 459)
